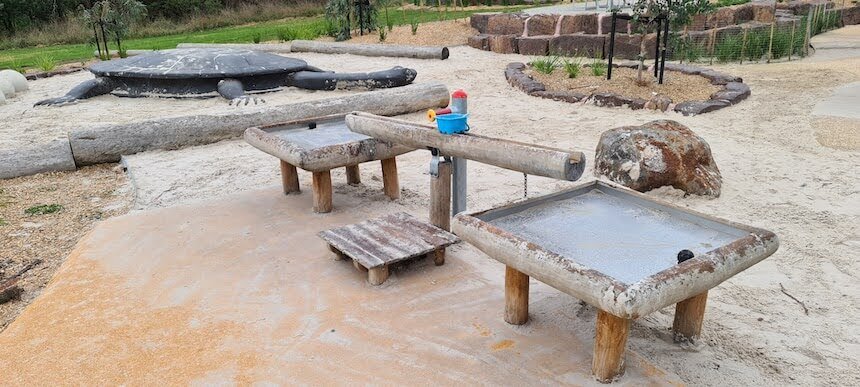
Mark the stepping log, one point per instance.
(375, 244)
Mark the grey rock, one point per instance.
(692, 108)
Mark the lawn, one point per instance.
(304, 28)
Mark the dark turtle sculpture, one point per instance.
(201, 72)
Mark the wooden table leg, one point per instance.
(377, 275)
(609, 343)
(353, 177)
(440, 197)
(390, 182)
(438, 256)
(322, 191)
(289, 178)
(516, 296)
(338, 255)
(688, 318)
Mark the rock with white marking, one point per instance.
(658, 153)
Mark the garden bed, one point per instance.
(688, 90)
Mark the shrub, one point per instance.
(414, 24)
(257, 37)
(545, 65)
(572, 67)
(382, 32)
(757, 44)
(43, 209)
(46, 63)
(598, 67)
(286, 35)
(728, 49)
(122, 52)
(781, 43)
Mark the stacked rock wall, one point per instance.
(588, 34)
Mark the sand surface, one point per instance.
(776, 176)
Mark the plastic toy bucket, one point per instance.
(452, 123)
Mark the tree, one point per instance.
(112, 17)
(678, 13)
(121, 15)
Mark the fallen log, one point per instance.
(267, 47)
(527, 158)
(106, 143)
(389, 50)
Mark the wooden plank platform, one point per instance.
(376, 243)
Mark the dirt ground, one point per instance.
(677, 86)
(776, 175)
(71, 203)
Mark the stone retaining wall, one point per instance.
(588, 34)
(733, 91)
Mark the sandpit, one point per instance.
(776, 176)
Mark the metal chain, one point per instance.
(525, 186)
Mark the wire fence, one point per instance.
(784, 37)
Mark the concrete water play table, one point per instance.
(617, 250)
(319, 145)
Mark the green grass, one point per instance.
(303, 28)
(545, 65)
(572, 67)
(726, 3)
(598, 67)
(43, 209)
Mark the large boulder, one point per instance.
(480, 41)
(541, 25)
(18, 81)
(6, 88)
(506, 24)
(627, 46)
(851, 15)
(479, 21)
(535, 45)
(572, 24)
(503, 44)
(578, 45)
(656, 154)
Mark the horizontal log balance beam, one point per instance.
(106, 143)
(388, 50)
(517, 156)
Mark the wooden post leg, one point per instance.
(338, 255)
(438, 256)
(688, 318)
(440, 197)
(289, 178)
(609, 343)
(322, 191)
(353, 177)
(390, 182)
(377, 275)
(516, 296)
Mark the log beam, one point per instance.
(390, 181)
(609, 345)
(289, 178)
(689, 315)
(377, 275)
(353, 175)
(388, 50)
(527, 158)
(322, 191)
(440, 197)
(516, 296)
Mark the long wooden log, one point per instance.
(104, 144)
(389, 50)
(267, 47)
(527, 158)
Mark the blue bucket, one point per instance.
(452, 123)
